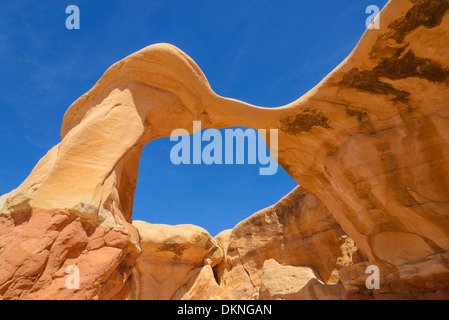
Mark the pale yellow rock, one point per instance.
(201, 287)
(370, 141)
(171, 257)
(284, 282)
(295, 283)
(293, 231)
(223, 241)
(180, 243)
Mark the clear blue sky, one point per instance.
(264, 52)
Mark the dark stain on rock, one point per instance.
(252, 253)
(399, 66)
(314, 111)
(426, 13)
(330, 148)
(369, 81)
(377, 213)
(432, 245)
(409, 113)
(400, 62)
(304, 122)
(432, 149)
(402, 66)
(257, 222)
(363, 118)
(385, 222)
(391, 169)
(205, 119)
(382, 48)
(178, 249)
(21, 217)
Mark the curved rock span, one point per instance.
(370, 141)
(291, 250)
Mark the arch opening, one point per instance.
(214, 196)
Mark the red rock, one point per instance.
(369, 142)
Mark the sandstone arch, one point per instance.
(370, 141)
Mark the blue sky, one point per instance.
(264, 52)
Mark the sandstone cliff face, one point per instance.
(291, 250)
(297, 231)
(370, 141)
(296, 283)
(173, 257)
(372, 144)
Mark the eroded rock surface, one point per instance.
(173, 259)
(297, 231)
(370, 141)
(295, 283)
(291, 250)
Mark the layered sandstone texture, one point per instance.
(291, 250)
(370, 141)
(171, 257)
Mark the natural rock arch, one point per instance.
(370, 141)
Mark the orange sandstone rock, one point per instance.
(172, 258)
(370, 141)
(271, 255)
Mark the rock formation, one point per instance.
(250, 261)
(370, 141)
(297, 231)
(295, 283)
(171, 257)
